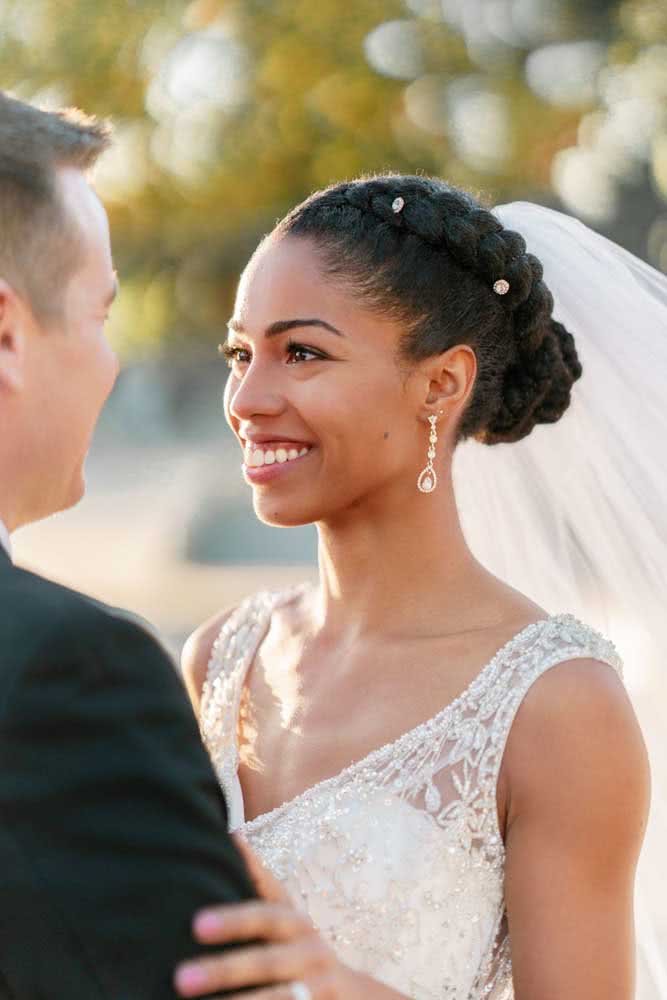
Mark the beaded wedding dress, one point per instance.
(398, 859)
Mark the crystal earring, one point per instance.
(428, 479)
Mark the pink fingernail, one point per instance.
(190, 977)
(208, 923)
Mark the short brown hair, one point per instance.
(33, 226)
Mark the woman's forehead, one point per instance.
(284, 279)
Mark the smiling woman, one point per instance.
(347, 249)
(265, 455)
(388, 741)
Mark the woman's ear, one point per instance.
(450, 377)
(12, 340)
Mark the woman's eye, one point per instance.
(235, 355)
(239, 357)
(297, 353)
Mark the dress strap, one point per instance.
(232, 653)
(236, 636)
(562, 637)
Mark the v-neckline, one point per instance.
(471, 689)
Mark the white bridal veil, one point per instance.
(575, 514)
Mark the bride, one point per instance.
(439, 774)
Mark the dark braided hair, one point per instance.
(432, 265)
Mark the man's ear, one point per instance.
(12, 340)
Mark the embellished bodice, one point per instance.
(398, 859)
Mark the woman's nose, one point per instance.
(254, 395)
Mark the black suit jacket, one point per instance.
(112, 828)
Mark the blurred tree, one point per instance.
(230, 111)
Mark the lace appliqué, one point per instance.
(398, 859)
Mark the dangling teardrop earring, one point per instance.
(428, 479)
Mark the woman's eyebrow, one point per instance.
(283, 325)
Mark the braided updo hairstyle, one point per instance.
(431, 265)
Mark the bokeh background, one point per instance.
(227, 112)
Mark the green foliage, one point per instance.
(230, 111)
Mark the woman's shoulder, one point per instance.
(198, 648)
(567, 682)
(574, 743)
(576, 713)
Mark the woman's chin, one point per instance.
(280, 514)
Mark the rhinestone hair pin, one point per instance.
(397, 205)
(501, 286)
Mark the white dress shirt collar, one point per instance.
(4, 539)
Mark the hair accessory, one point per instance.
(501, 287)
(397, 205)
(428, 479)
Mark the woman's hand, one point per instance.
(293, 951)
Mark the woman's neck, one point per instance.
(403, 568)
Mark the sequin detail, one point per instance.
(398, 859)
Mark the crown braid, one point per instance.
(432, 265)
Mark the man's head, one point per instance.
(56, 286)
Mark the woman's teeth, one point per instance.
(255, 455)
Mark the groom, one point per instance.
(112, 829)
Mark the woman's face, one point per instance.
(326, 419)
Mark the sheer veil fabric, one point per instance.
(575, 514)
